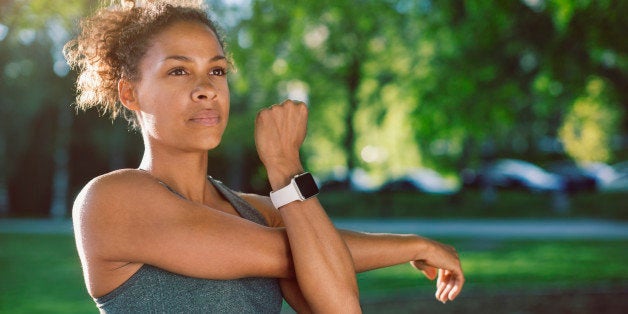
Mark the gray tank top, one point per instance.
(154, 290)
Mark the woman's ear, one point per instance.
(126, 93)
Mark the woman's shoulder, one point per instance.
(121, 175)
(104, 192)
(115, 181)
(115, 177)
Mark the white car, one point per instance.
(511, 173)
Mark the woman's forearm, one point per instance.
(436, 260)
(322, 262)
(376, 250)
(369, 251)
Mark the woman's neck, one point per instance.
(185, 172)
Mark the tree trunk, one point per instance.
(4, 191)
(353, 82)
(59, 206)
(117, 148)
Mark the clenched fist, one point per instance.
(279, 132)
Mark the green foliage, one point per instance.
(430, 83)
(342, 58)
(392, 85)
(506, 72)
(37, 14)
(591, 123)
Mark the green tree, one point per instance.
(504, 73)
(342, 56)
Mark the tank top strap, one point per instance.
(244, 209)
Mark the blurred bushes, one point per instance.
(392, 85)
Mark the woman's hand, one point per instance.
(443, 262)
(279, 132)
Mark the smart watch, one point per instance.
(301, 187)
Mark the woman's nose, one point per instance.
(204, 90)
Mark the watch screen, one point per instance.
(306, 185)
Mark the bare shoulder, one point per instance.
(264, 205)
(104, 192)
(114, 179)
(117, 199)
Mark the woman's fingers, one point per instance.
(449, 285)
(441, 283)
(455, 290)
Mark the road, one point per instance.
(475, 228)
(495, 228)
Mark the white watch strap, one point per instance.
(285, 195)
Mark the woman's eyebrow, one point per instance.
(188, 59)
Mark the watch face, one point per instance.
(306, 185)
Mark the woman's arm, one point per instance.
(322, 262)
(128, 217)
(434, 259)
(372, 251)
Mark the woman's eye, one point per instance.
(218, 72)
(177, 72)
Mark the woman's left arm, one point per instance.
(436, 260)
(377, 250)
(372, 251)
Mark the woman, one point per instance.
(166, 237)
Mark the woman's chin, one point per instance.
(211, 144)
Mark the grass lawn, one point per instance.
(512, 277)
(41, 273)
(512, 265)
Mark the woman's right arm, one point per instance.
(128, 217)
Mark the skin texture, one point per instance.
(126, 218)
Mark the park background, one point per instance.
(410, 102)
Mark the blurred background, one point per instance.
(419, 110)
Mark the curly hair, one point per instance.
(112, 42)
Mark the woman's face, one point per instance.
(182, 96)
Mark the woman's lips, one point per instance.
(206, 118)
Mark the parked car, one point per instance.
(423, 180)
(335, 185)
(359, 181)
(621, 167)
(514, 174)
(575, 178)
(608, 177)
(620, 182)
(399, 185)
